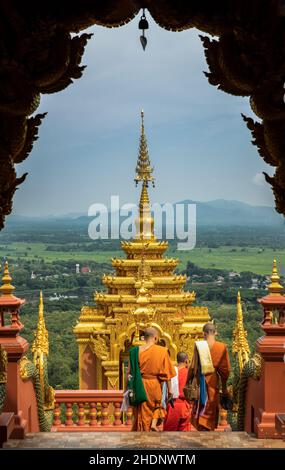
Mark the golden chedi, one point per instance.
(144, 292)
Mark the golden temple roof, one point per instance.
(173, 280)
(183, 297)
(160, 263)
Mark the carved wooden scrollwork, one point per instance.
(39, 54)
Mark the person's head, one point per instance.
(209, 331)
(182, 358)
(151, 335)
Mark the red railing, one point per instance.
(98, 410)
(90, 410)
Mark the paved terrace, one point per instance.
(139, 440)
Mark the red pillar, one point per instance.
(21, 398)
(266, 397)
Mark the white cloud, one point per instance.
(259, 179)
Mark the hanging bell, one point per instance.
(143, 23)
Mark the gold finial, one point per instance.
(145, 222)
(275, 287)
(240, 346)
(40, 343)
(7, 288)
(41, 306)
(238, 298)
(143, 169)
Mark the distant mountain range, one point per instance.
(224, 212)
(217, 212)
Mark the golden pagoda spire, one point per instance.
(143, 291)
(240, 346)
(40, 343)
(7, 288)
(143, 169)
(145, 222)
(275, 287)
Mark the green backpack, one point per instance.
(137, 393)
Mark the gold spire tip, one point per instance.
(41, 304)
(240, 346)
(275, 288)
(40, 343)
(142, 123)
(6, 288)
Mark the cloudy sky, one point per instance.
(88, 143)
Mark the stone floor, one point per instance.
(131, 440)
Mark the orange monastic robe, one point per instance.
(155, 367)
(207, 416)
(178, 418)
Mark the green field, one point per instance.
(30, 251)
(217, 250)
(230, 258)
(252, 259)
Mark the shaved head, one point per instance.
(182, 357)
(150, 333)
(209, 329)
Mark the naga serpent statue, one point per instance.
(37, 371)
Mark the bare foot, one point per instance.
(155, 428)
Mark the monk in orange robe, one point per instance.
(204, 417)
(178, 416)
(156, 367)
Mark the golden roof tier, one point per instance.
(144, 291)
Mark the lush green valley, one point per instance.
(44, 257)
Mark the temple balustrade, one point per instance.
(98, 410)
(90, 410)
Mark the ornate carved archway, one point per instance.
(107, 349)
(39, 54)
